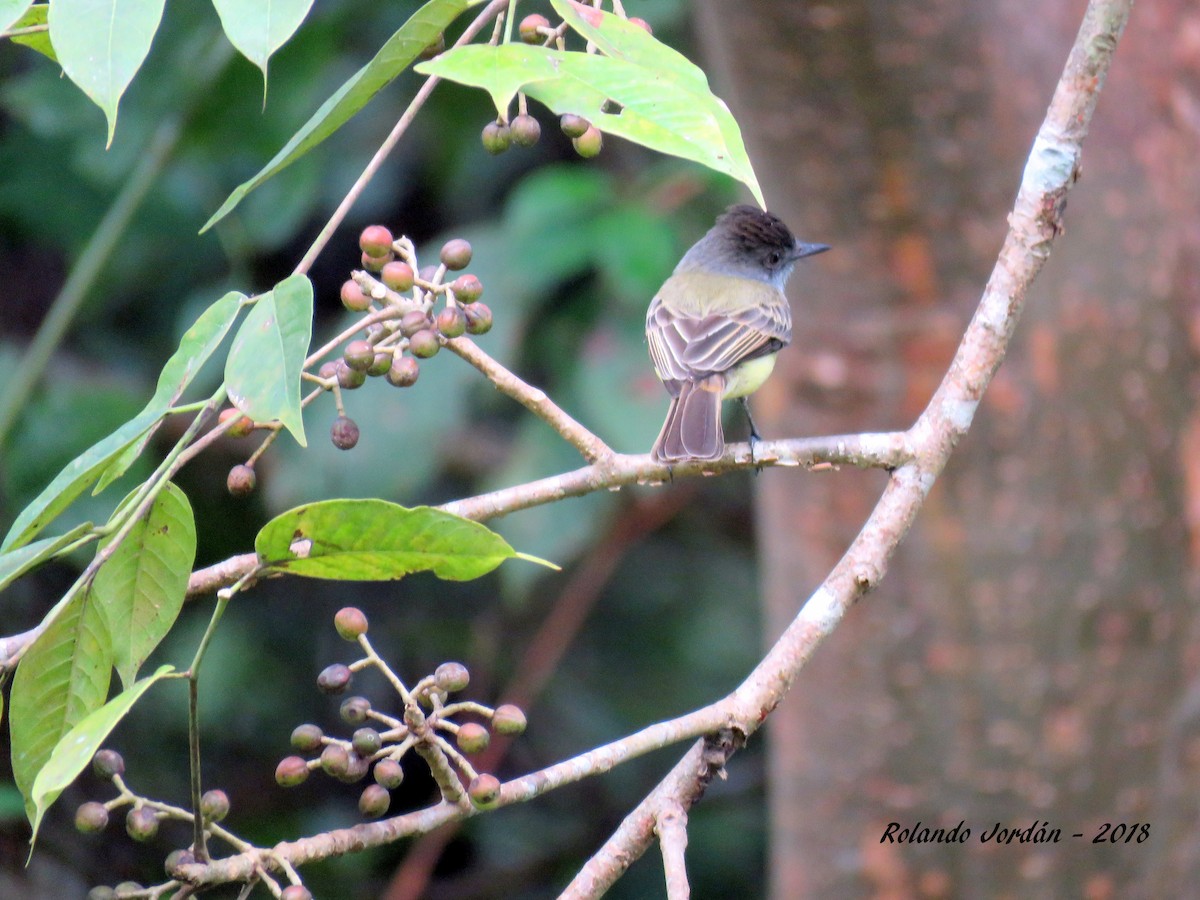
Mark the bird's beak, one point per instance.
(802, 250)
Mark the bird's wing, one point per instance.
(687, 347)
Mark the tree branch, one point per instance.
(1036, 220)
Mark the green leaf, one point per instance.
(16, 563)
(76, 477)
(63, 677)
(643, 91)
(374, 540)
(195, 347)
(262, 373)
(421, 30)
(140, 590)
(39, 40)
(101, 45)
(259, 28)
(11, 12)
(77, 747)
(501, 71)
(658, 111)
(107, 459)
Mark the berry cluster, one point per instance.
(426, 724)
(142, 822)
(524, 129)
(401, 326)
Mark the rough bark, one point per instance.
(1028, 657)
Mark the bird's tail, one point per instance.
(693, 426)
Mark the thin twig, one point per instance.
(671, 827)
(389, 144)
(533, 399)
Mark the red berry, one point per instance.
(484, 791)
(353, 297)
(350, 622)
(375, 241)
(529, 28)
(467, 288)
(397, 275)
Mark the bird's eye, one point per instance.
(774, 258)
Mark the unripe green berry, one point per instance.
(374, 801)
(348, 378)
(214, 805)
(107, 763)
(366, 741)
(375, 241)
(508, 719)
(335, 760)
(91, 817)
(456, 254)
(404, 371)
(306, 738)
(241, 480)
(141, 823)
(589, 143)
(125, 888)
(101, 892)
(529, 28)
(525, 130)
(472, 737)
(354, 710)
(350, 622)
(381, 364)
(479, 318)
(467, 288)
(452, 677)
(353, 297)
(291, 771)
(334, 679)
(484, 791)
(397, 275)
(412, 322)
(389, 773)
(573, 126)
(424, 344)
(451, 322)
(177, 858)
(359, 355)
(328, 369)
(496, 138)
(344, 433)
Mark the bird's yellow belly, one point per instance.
(748, 377)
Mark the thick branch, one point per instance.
(887, 450)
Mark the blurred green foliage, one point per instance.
(569, 254)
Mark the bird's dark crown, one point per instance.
(754, 230)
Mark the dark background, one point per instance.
(1031, 654)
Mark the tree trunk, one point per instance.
(1030, 656)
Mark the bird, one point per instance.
(716, 325)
